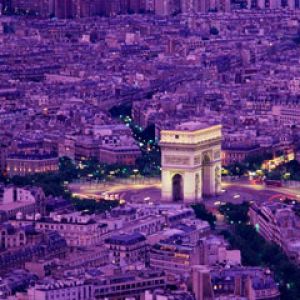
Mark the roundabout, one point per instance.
(149, 190)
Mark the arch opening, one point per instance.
(177, 188)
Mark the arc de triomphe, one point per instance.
(191, 162)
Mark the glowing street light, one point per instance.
(135, 173)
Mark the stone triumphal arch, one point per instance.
(191, 162)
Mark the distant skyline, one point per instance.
(88, 8)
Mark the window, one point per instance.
(176, 136)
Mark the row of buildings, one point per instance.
(135, 251)
(109, 144)
(28, 200)
(208, 67)
(89, 8)
(279, 223)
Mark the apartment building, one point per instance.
(277, 222)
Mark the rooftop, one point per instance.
(192, 126)
(126, 239)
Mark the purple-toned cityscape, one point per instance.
(150, 149)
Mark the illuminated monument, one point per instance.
(191, 162)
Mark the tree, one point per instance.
(274, 175)
(292, 168)
(130, 11)
(149, 95)
(8, 28)
(92, 206)
(120, 110)
(254, 162)
(148, 134)
(203, 214)
(256, 251)
(235, 213)
(237, 169)
(67, 169)
(214, 31)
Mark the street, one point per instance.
(235, 191)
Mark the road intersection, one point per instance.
(235, 191)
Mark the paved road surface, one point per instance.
(237, 191)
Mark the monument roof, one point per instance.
(192, 126)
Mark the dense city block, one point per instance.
(149, 149)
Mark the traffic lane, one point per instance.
(262, 192)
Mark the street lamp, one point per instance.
(135, 173)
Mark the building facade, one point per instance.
(127, 248)
(278, 223)
(22, 165)
(253, 283)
